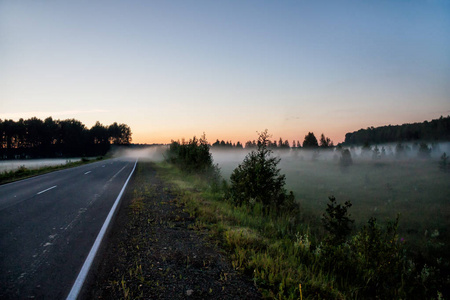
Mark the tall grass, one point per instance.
(282, 254)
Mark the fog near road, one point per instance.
(11, 165)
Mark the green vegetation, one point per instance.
(258, 180)
(299, 256)
(336, 220)
(193, 156)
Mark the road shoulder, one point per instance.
(152, 252)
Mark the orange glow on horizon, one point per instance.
(165, 138)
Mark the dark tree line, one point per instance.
(34, 138)
(435, 130)
(310, 142)
(226, 145)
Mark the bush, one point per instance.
(443, 163)
(424, 151)
(373, 260)
(346, 158)
(258, 180)
(380, 260)
(336, 220)
(194, 157)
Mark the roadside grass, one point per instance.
(156, 253)
(272, 249)
(130, 283)
(416, 189)
(23, 172)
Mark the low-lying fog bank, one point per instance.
(11, 165)
(228, 159)
(143, 153)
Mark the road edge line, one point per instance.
(78, 284)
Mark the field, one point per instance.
(415, 189)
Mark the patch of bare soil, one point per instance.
(151, 252)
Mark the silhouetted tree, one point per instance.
(51, 139)
(325, 142)
(74, 137)
(250, 144)
(119, 134)
(36, 138)
(310, 141)
(346, 158)
(424, 151)
(336, 221)
(34, 132)
(257, 179)
(400, 150)
(99, 134)
(376, 153)
(383, 152)
(443, 164)
(366, 150)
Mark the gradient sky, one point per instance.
(174, 69)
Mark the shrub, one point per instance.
(443, 164)
(336, 220)
(194, 156)
(346, 158)
(379, 259)
(424, 151)
(257, 179)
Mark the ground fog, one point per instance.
(377, 186)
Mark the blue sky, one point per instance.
(174, 69)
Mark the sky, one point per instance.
(175, 69)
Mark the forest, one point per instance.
(432, 131)
(34, 138)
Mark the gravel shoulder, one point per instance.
(152, 252)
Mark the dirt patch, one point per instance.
(151, 252)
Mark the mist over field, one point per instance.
(378, 184)
(228, 159)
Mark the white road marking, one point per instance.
(117, 174)
(46, 190)
(76, 288)
(87, 172)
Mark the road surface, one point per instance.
(48, 224)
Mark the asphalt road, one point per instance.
(48, 224)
